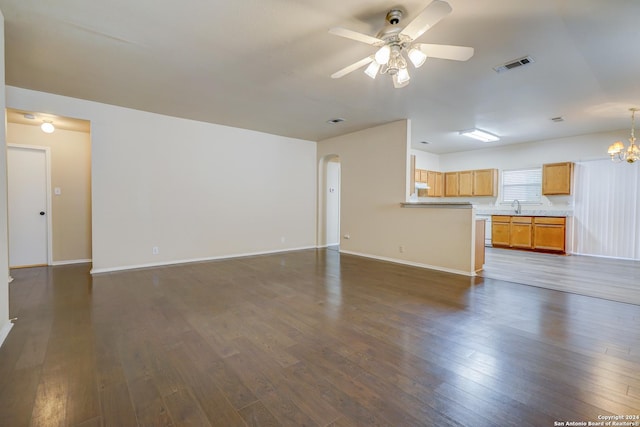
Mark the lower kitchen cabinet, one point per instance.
(500, 230)
(520, 233)
(525, 232)
(549, 234)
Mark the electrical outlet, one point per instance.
(401, 249)
(347, 236)
(155, 250)
(282, 239)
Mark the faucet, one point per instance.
(516, 202)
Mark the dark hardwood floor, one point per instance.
(310, 338)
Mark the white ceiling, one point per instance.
(265, 64)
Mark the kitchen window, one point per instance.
(524, 185)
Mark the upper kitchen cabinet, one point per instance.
(465, 183)
(482, 182)
(451, 184)
(435, 183)
(485, 182)
(556, 178)
(433, 180)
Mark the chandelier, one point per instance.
(630, 154)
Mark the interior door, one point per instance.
(333, 203)
(27, 199)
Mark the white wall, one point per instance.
(532, 154)
(5, 325)
(428, 161)
(194, 190)
(374, 179)
(521, 156)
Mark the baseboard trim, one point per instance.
(4, 332)
(194, 260)
(72, 261)
(411, 263)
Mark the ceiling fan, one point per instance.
(393, 42)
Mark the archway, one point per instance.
(329, 201)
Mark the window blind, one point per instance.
(524, 185)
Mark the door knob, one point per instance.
(41, 212)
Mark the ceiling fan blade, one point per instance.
(351, 68)
(430, 16)
(444, 51)
(354, 35)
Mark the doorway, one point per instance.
(329, 202)
(29, 205)
(333, 203)
(68, 185)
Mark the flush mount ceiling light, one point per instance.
(47, 126)
(396, 44)
(480, 135)
(630, 154)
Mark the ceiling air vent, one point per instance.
(514, 64)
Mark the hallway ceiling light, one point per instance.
(630, 154)
(47, 127)
(480, 135)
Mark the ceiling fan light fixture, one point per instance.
(372, 70)
(397, 83)
(395, 46)
(480, 135)
(403, 75)
(417, 57)
(383, 54)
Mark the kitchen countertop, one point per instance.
(525, 212)
(450, 205)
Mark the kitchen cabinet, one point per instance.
(557, 178)
(500, 226)
(520, 234)
(471, 183)
(485, 182)
(465, 183)
(549, 233)
(500, 230)
(433, 180)
(529, 232)
(435, 183)
(451, 184)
